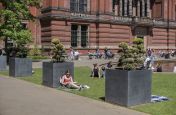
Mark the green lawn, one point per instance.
(162, 84)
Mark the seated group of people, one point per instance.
(97, 54)
(97, 72)
(149, 64)
(74, 54)
(107, 54)
(67, 81)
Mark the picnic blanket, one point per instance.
(156, 98)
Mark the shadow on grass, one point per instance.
(102, 98)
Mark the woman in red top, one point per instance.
(67, 81)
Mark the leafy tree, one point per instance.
(11, 16)
(132, 57)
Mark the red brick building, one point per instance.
(90, 24)
(105, 23)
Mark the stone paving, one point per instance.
(18, 97)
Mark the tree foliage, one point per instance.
(13, 13)
(131, 57)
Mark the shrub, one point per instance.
(131, 57)
(35, 51)
(58, 50)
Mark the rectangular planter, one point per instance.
(53, 71)
(128, 88)
(20, 67)
(3, 63)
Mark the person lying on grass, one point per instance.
(67, 81)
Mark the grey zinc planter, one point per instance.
(3, 63)
(128, 88)
(20, 67)
(53, 71)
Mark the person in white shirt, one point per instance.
(76, 55)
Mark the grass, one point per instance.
(35, 78)
(162, 84)
(96, 90)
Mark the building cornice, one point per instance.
(92, 17)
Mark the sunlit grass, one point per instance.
(163, 84)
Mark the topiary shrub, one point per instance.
(35, 51)
(131, 57)
(58, 50)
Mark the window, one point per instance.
(121, 7)
(84, 35)
(74, 35)
(145, 10)
(79, 35)
(73, 5)
(141, 8)
(78, 5)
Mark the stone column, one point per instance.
(134, 8)
(143, 8)
(130, 7)
(138, 8)
(88, 5)
(67, 4)
(79, 36)
(110, 6)
(148, 9)
(116, 9)
(125, 7)
(120, 6)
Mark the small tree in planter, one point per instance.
(132, 57)
(12, 16)
(19, 65)
(58, 51)
(129, 84)
(56, 68)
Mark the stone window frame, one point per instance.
(76, 36)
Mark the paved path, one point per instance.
(19, 97)
(84, 61)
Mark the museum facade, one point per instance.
(91, 24)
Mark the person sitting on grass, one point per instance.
(103, 68)
(109, 65)
(67, 81)
(95, 71)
